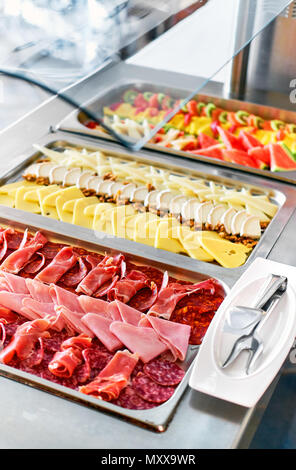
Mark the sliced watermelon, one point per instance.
(288, 151)
(241, 157)
(248, 141)
(280, 159)
(231, 141)
(215, 151)
(261, 153)
(206, 141)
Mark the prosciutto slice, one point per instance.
(65, 361)
(174, 335)
(37, 309)
(66, 298)
(61, 263)
(75, 275)
(100, 274)
(140, 340)
(38, 290)
(73, 321)
(7, 315)
(89, 304)
(15, 283)
(24, 340)
(14, 302)
(4, 242)
(100, 326)
(19, 258)
(127, 287)
(169, 296)
(113, 378)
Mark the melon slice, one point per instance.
(280, 160)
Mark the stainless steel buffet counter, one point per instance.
(31, 418)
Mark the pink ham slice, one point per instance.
(113, 378)
(61, 263)
(38, 290)
(141, 340)
(128, 314)
(66, 298)
(38, 309)
(89, 304)
(169, 297)
(174, 335)
(100, 274)
(24, 340)
(73, 321)
(100, 326)
(19, 258)
(15, 283)
(15, 303)
(113, 311)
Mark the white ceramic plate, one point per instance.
(278, 333)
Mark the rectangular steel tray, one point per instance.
(74, 121)
(157, 418)
(284, 196)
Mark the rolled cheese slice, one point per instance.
(251, 227)
(227, 219)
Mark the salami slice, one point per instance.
(150, 391)
(129, 398)
(164, 372)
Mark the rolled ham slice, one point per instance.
(61, 263)
(19, 258)
(140, 340)
(174, 335)
(113, 378)
(169, 297)
(65, 361)
(24, 340)
(127, 287)
(100, 326)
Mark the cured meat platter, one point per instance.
(216, 124)
(46, 344)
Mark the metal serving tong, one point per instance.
(244, 318)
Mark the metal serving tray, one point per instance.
(157, 418)
(284, 196)
(74, 122)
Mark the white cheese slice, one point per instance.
(150, 199)
(139, 194)
(44, 169)
(163, 199)
(83, 179)
(127, 191)
(202, 212)
(215, 215)
(57, 173)
(114, 188)
(176, 204)
(189, 208)
(237, 222)
(93, 183)
(104, 186)
(71, 177)
(251, 227)
(227, 219)
(32, 169)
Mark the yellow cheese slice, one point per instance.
(43, 192)
(191, 244)
(7, 200)
(7, 188)
(164, 238)
(102, 217)
(66, 195)
(118, 219)
(21, 203)
(130, 222)
(142, 224)
(79, 217)
(226, 253)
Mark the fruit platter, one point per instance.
(200, 217)
(224, 132)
